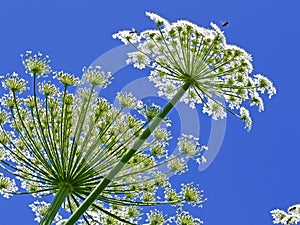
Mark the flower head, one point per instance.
(156, 218)
(7, 186)
(184, 218)
(246, 118)
(48, 89)
(64, 144)
(192, 194)
(4, 116)
(66, 79)
(14, 83)
(40, 209)
(182, 52)
(292, 216)
(189, 145)
(127, 100)
(36, 64)
(96, 77)
(157, 19)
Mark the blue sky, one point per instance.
(253, 172)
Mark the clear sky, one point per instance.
(253, 172)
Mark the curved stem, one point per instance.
(58, 200)
(137, 144)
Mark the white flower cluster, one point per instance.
(14, 83)
(215, 109)
(183, 52)
(40, 209)
(7, 186)
(189, 146)
(36, 64)
(96, 77)
(292, 216)
(127, 100)
(158, 19)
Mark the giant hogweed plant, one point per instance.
(191, 64)
(59, 143)
(103, 165)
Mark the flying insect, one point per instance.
(224, 24)
(133, 31)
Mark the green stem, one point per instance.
(58, 200)
(137, 144)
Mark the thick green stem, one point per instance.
(58, 200)
(137, 144)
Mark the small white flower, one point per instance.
(127, 36)
(48, 89)
(292, 216)
(4, 116)
(127, 100)
(178, 166)
(7, 186)
(157, 19)
(264, 84)
(161, 134)
(257, 100)
(192, 194)
(36, 64)
(96, 77)
(40, 209)
(185, 218)
(156, 218)
(215, 108)
(14, 83)
(245, 116)
(66, 79)
(201, 160)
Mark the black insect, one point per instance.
(133, 31)
(225, 24)
(292, 208)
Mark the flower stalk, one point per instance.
(53, 209)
